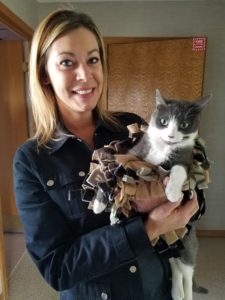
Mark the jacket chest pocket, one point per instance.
(92, 290)
(65, 189)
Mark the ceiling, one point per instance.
(66, 1)
(5, 34)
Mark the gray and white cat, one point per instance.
(170, 138)
(169, 142)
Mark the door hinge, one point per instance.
(25, 67)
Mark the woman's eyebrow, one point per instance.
(66, 53)
(73, 54)
(93, 50)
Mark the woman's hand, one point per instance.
(170, 216)
(146, 200)
(147, 205)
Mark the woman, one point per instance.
(77, 252)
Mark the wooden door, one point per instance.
(13, 118)
(3, 278)
(136, 69)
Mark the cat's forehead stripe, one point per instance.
(172, 123)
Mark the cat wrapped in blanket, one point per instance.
(170, 138)
(167, 142)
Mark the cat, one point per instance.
(170, 138)
(168, 142)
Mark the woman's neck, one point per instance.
(81, 125)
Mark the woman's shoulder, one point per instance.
(28, 146)
(28, 149)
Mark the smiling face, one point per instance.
(75, 72)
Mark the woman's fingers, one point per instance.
(170, 216)
(164, 210)
(187, 210)
(190, 208)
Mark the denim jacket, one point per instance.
(77, 252)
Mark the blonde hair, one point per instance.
(43, 99)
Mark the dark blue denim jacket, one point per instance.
(77, 252)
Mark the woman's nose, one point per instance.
(82, 73)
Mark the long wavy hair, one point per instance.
(43, 99)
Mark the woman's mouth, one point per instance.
(84, 92)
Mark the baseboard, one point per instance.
(12, 223)
(211, 233)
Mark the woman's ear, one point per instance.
(45, 76)
(46, 79)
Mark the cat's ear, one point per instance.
(159, 99)
(202, 102)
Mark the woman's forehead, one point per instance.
(79, 38)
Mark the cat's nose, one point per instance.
(171, 136)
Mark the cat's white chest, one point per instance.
(158, 154)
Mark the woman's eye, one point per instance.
(94, 60)
(184, 125)
(163, 122)
(66, 63)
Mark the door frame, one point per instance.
(16, 25)
(3, 277)
(13, 23)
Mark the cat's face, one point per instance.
(176, 122)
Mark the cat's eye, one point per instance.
(163, 122)
(184, 125)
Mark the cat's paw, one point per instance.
(114, 220)
(177, 294)
(177, 290)
(98, 206)
(173, 193)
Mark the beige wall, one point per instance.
(177, 18)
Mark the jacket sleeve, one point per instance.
(63, 259)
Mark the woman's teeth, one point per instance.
(84, 92)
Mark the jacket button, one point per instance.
(104, 296)
(133, 269)
(81, 173)
(50, 182)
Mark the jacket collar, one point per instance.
(60, 138)
(62, 135)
